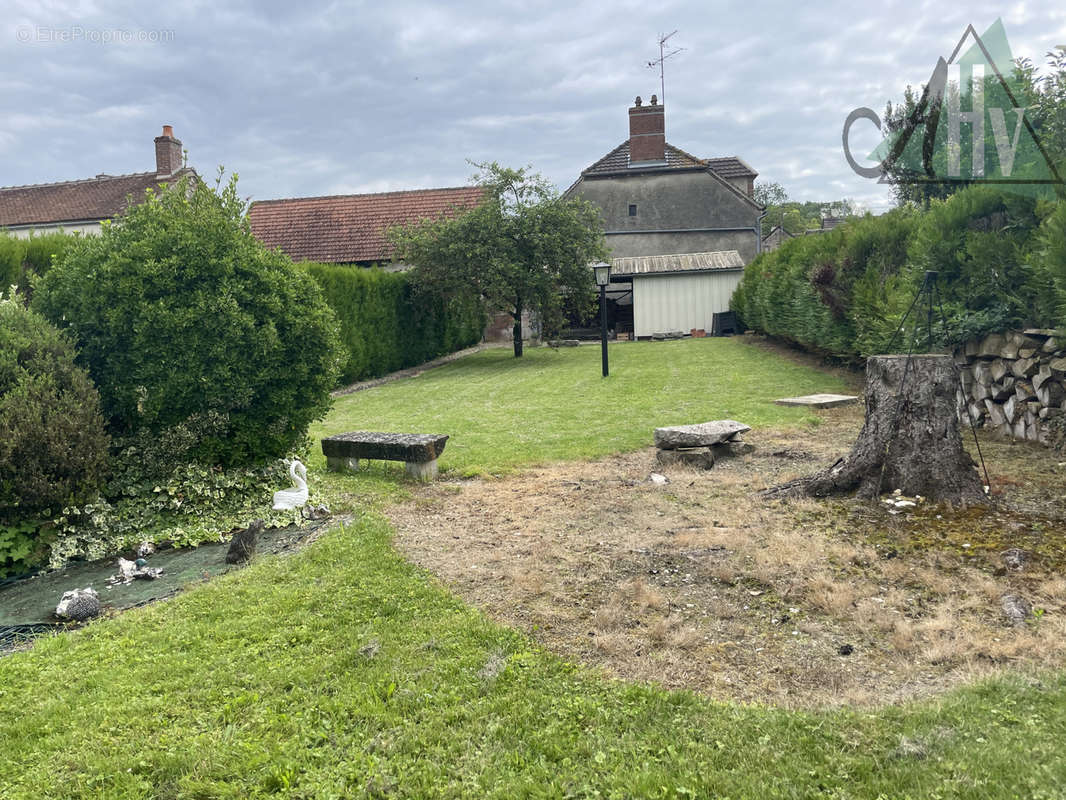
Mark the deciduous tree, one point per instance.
(524, 248)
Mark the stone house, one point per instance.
(680, 228)
(775, 238)
(83, 205)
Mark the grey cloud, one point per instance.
(314, 98)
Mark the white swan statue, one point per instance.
(296, 497)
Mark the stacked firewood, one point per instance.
(1015, 382)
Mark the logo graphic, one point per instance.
(970, 125)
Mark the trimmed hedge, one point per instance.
(387, 324)
(843, 293)
(22, 259)
(1051, 253)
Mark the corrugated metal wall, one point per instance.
(680, 302)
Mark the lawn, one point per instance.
(503, 412)
(344, 671)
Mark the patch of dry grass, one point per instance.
(703, 584)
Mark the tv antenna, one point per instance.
(660, 61)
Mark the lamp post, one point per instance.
(603, 277)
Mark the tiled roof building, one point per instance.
(84, 204)
(350, 229)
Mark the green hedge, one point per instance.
(53, 446)
(21, 259)
(386, 324)
(1051, 254)
(183, 318)
(843, 293)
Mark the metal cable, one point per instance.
(903, 321)
(962, 387)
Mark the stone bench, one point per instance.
(418, 451)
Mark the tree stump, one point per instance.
(916, 448)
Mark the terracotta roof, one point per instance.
(617, 161)
(347, 228)
(100, 198)
(677, 262)
(731, 167)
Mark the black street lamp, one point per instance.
(603, 277)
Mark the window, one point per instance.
(632, 210)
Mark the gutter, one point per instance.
(629, 276)
(683, 230)
(32, 226)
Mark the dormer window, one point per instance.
(632, 210)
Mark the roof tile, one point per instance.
(731, 167)
(99, 198)
(350, 228)
(617, 161)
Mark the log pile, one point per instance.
(1015, 382)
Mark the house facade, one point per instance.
(775, 238)
(697, 218)
(82, 206)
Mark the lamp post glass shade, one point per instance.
(603, 277)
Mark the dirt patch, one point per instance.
(702, 584)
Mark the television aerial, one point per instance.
(661, 60)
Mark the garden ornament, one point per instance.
(296, 497)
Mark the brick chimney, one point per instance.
(168, 158)
(647, 133)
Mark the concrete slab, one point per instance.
(384, 446)
(818, 400)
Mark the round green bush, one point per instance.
(53, 446)
(181, 316)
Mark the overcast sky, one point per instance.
(320, 98)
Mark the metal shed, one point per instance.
(681, 291)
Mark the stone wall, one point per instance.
(1015, 383)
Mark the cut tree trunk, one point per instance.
(916, 448)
